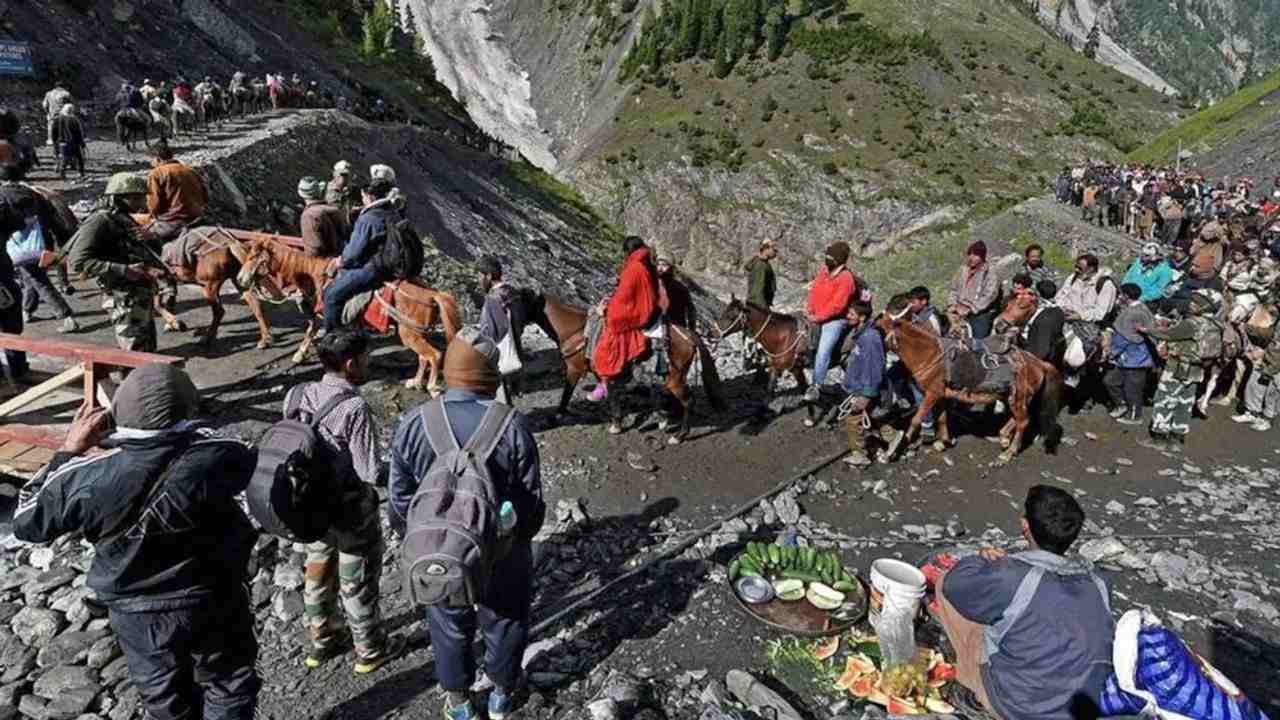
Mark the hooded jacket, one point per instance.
(1047, 644)
(1090, 298)
(168, 549)
(630, 310)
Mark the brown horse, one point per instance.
(415, 308)
(783, 339)
(922, 354)
(567, 326)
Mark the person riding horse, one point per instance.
(358, 270)
(626, 315)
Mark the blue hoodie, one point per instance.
(1053, 661)
(865, 370)
(1152, 280)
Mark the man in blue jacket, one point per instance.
(471, 371)
(863, 376)
(1032, 630)
(359, 269)
(171, 543)
(1131, 357)
(1150, 273)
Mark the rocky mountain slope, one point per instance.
(1203, 50)
(872, 122)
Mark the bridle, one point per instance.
(891, 335)
(741, 322)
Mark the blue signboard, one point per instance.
(15, 58)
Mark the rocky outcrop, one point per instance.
(1074, 19)
(221, 28)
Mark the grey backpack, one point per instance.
(451, 541)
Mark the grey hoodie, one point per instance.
(1054, 657)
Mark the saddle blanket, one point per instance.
(966, 369)
(376, 315)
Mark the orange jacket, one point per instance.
(830, 295)
(628, 313)
(175, 193)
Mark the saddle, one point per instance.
(965, 369)
(375, 312)
(133, 114)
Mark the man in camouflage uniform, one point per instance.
(101, 250)
(1184, 370)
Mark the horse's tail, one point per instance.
(450, 316)
(1052, 392)
(711, 377)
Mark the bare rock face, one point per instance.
(1074, 19)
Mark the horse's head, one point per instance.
(1018, 310)
(259, 263)
(893, 319)
(732, 319)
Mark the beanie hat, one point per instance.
(471, 362)
(382, 172)
(311, 188)
(978, 248)
(839, 252)
(155, 397)
(1151, 250)
(489, 265)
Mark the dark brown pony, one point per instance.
(782, 337)
(567, 325)
(415, 308)
(922, 354)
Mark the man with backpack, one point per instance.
(1192, 342)
(347, 561)
(466, 491)
(383, 247)
(171, 543)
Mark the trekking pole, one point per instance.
(689, 542)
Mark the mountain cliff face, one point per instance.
(1204, 49)
(863, 121)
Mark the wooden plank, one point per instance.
(11, 449)
(82, 352)
(46, 436)
(32, 394)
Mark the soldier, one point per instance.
(1189, 343)
(342, 191)
(100, 250)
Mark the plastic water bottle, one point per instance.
(506, 518)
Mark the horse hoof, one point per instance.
(1005, 442)
(808, 422)
(939, 446)
(264, 344)
(892, 450)
(1004, 459)
(298, 357)
(615, 429)
(674, 440)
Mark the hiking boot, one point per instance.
(1261, 425)
(1245, 418)
(812, 394)
(394, 649)
(501, 704)
(458, 709)
(857, 459)
(69, 325)
(321, 655)
(599, 393)
(1131, 417)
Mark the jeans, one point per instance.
(980, 324)
(1127, 386)
(194, 662)
(11, 322)
(345, 287)
(504, 619)
(36, 285)
(832, 331)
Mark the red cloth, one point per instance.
(378, 314)
(183, 93)
(628, 313)
(830, 295)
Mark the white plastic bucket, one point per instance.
(896, 586)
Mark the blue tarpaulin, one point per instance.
(15, 58)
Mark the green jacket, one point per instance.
(1183, 340)
(100, 249)
(763, 284)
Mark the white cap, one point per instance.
(382, 172)
(342, 167)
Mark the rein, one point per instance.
(743, 321)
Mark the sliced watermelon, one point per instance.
(826, 648)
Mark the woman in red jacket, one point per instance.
(829, 298)
(627, 313)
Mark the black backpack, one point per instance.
(452, 528)
(294, 485)
(402, 255)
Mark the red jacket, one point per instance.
(628, 313)
(830, 295)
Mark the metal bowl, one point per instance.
(754, 590)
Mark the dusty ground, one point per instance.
(680, 619)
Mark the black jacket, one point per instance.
(17, 203)
(171, 548)
(1044, 334)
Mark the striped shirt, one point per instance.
(349, 428)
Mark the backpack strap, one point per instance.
(324, 410)
(435, 421)
(994, 635)
(493, 427)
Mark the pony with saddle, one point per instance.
(945, 369)
(160, 118)
(132, 124)
(784, 339)
(566, 325)
(272, 269)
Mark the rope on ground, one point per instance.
(687, 543)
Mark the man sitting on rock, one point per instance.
(171, 543)
(1032, 630)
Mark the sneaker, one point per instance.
(599, 393)
(394, 649)
(1131, 418)
(857, 459)
(1119, 412)
(321, 655)
(1261, 425)
(812, 394)
(501, 704)
(1245, 418)
(460, 712)
(69, 325)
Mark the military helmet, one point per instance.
(1207, 300)
(126, 184)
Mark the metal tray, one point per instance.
(802, 618)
